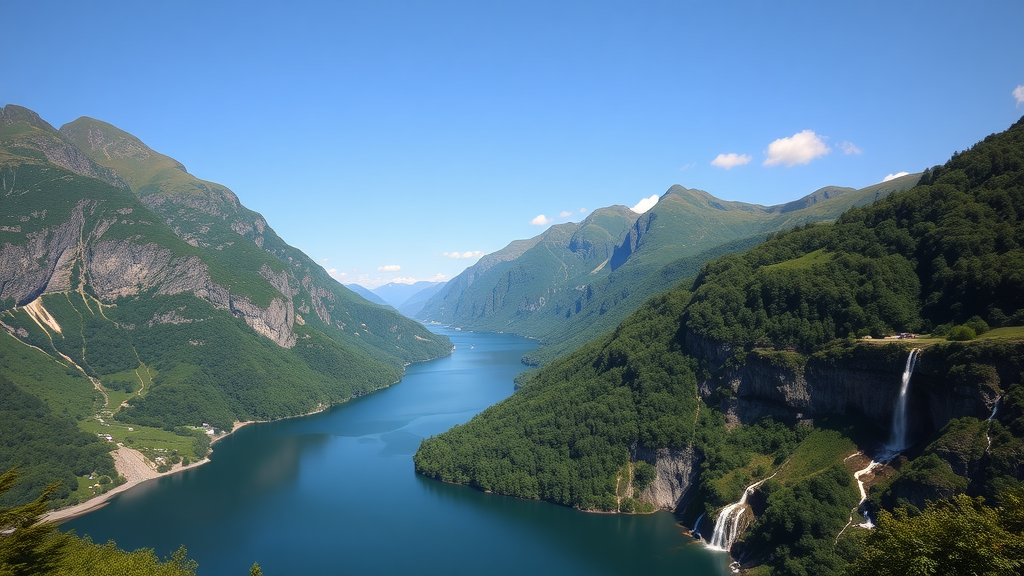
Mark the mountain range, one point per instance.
(573, 282)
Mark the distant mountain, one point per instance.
(413, 304)
(133, 293)
(574, 281)
(397, 293)
(367, 293)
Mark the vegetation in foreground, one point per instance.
(30, 547)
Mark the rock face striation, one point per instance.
(153, 228)
(862, 381)
(676, 469)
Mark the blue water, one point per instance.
(335, 493)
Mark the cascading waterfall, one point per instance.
(995, 408)
(863, 495)
(696, 526)
(899, 417)
(727, 525)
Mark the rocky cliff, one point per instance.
(676, 469)
(949, 381)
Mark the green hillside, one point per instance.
(773, 331)
(575, 282)
(137, 308)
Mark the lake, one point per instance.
(335, 493)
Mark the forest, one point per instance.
(945, 258)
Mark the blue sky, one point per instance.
(383, 138)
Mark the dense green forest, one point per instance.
(946, 257)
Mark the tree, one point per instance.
(957, 536)
(27, 545)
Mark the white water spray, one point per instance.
(991, 417)
(863, 495)
(696, 526)
(727, 525)
(898, 441)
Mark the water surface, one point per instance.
(335, 493)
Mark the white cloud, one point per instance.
(540, 220)
(564, 214)
(894, 176)
(799, 148)
(466, 254)
(688, 166)
(728, 161)
(645, 204)
(850, 148)
(389, 268)
(1018, 93)
(583, 210)
(335, 274)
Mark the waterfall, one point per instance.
(863, 495)
(899, 417)
(995, 408)
(727, 525)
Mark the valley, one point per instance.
(735, 366)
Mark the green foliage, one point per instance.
(796, 532)
(27, 546)
(31, 547)
(47, 448)
(960, 535)
(564, 436)
(950, 250)
(643, 475)
(961, 333)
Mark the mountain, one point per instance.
(766, 382)
(576, 281)
(140, 302)
(413, 304)
(367, 293)
(396, 294)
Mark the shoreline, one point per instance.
(60, 515)
(123, 461)
(98, 501)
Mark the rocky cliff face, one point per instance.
(677, 471)
(862, 381)
(47, 261)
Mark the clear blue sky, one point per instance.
(385, 134)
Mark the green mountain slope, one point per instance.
(754, 373)
(143, 306)
(568, 287)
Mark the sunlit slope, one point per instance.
(547, 291)
(210, 216)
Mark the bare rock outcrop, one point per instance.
(677, 470)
